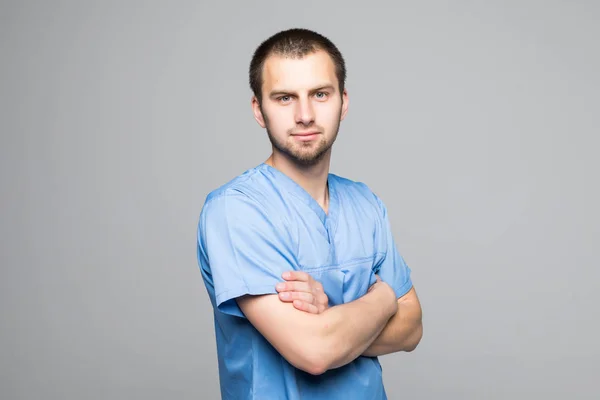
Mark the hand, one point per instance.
(303, 291)
(386, 291)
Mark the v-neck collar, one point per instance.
(328, 219)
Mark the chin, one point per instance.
(308, 159)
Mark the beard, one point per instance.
(305, 154)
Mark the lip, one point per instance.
(306, 136)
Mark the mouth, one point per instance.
(305, 136)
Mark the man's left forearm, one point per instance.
(403, 331)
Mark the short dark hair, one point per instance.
(295, 43)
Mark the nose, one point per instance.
(304, 112)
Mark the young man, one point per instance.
(306, 282)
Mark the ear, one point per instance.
(344, 104)
(258, 115)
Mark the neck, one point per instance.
(312, 178)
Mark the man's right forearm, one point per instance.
(316, 343)
(349, 329)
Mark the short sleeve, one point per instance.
(245, 249)
(392, 269)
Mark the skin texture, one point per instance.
(316, 343)
(300, 96)
(402, 332)
(305, 293)
(297, 101)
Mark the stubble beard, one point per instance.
(303, 154)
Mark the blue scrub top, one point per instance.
(258, 226)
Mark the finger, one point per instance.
(294, 286)
(318, 286)
(291, 296)
(323, 299)
(307, 307)
(322, 308)
(296, 276)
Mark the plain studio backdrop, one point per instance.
(476, 122)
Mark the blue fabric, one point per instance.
(261, 224)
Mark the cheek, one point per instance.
(329, 115)
(281, 119)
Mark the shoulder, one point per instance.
(241, 210)
(238, 186)
(358, 191)
(243, 199)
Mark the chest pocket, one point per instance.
(345, 262)
(347, 282)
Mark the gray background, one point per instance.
(476, 122)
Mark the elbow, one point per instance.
(415, 339)
(311, 363)
(317, 368)
(411, 347)
(317, 350)
(315, 360)
(317, 355)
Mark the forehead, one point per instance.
(299, 73)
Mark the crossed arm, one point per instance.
(316, 338)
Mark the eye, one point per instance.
(321, 95)
(285, 99)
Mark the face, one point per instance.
(301, 106)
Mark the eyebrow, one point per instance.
(280, 92)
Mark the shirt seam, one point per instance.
(406, 286)
(350, 263)
(244, 289)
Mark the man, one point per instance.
(306, 282)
